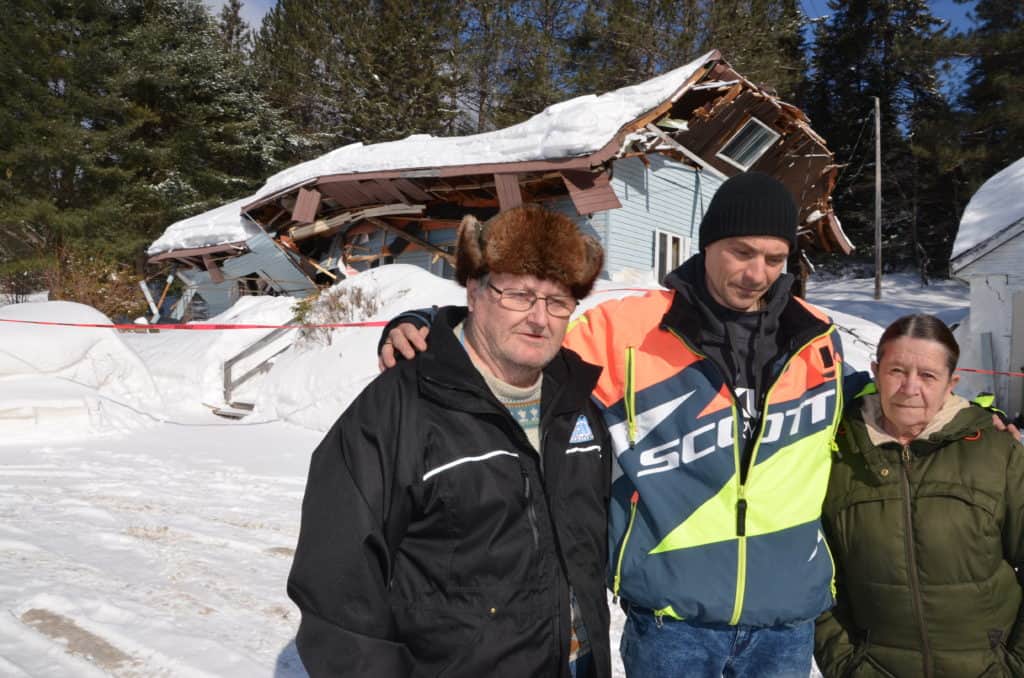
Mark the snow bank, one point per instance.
(188, 366)
(995, 206)
(313, 383)
(87, 378)
(67, 382)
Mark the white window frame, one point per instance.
(774, 136)
(669, 256)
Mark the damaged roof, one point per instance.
(694, 114)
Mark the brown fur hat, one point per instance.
(529, 240)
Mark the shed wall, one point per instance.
(997, 307)
(1002, 260)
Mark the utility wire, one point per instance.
(853, 153)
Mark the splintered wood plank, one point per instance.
(306, 205)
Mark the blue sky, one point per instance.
(252, 10)
(955, 13)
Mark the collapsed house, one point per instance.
(635, 166)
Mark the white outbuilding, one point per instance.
(989, 255)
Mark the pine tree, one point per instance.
(994, 97)
(405, 68)
(349, 70)
(882, 48)
(485, 52)
(296, 54)
(234, 30)
(762, 39)
(535, 75)
(57, 113)
(128, 115)
(622, 42)
(200, 133)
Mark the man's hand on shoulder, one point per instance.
(404, 339)
(1003, 425)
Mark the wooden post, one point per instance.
(878, 200)
(167, 287)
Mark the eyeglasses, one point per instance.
(523, 300)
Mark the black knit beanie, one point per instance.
(752, 203)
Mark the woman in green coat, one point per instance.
(925, 520)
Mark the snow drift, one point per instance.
(68, 382)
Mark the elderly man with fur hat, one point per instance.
(455, 517)
(722, 396)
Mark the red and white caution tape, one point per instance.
(200, 327)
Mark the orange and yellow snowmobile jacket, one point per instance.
(706, 523)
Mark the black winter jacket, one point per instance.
(432, 543)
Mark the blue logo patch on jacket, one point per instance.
(581, 432)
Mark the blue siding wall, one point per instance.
(595, 225)
(667, 196)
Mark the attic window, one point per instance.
(748, 145)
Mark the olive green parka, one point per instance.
(926, 539)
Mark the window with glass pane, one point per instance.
(670, 250)
(749, 144)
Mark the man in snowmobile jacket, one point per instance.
(455, 517)
(722, 395)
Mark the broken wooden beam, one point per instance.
(330, 226)
(449, 257)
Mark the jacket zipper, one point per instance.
(915, 590)
(741, 522)
(531, 512)
(741, 556)
(633, 501)
(630, 405)
(630, 400)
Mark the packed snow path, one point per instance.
(164, 554)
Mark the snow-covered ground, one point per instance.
(142, 535)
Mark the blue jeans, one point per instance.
(678, 649)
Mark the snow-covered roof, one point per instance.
(996, 206)
(224, 224)
(571, 128)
